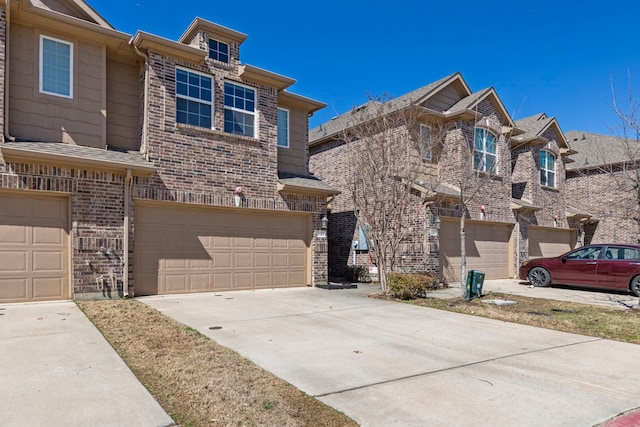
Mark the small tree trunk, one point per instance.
(463, 252)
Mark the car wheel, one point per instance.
(634, 287)
(539, 276)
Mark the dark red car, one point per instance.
(603, 266)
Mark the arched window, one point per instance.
(547, 169)
(485, 155)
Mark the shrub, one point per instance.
(356, 273)
(411, 285)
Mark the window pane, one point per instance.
(193, 98)
(56, 67)
(283, 128)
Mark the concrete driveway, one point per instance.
(56, 369)
(385, 363)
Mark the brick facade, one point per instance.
(192, 166)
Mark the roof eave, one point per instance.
(269, 78)
(17, 154)
(177, 50)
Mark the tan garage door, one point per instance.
(34, 248)
(549, 242)
(487, 248)
(181, 249)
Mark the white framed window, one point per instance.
(283, 128)
(239, 109)
(56, 67)
(194, 98)
(485, 156)
(219, 51)
(547, 169)
(424, 144)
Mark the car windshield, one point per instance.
(590, 252)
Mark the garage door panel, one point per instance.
(34, 248)
(487, 249)
(222, 260)
(175, 283)
(234, 249)
(296, 260)
(48, 261)
(222, 281)
(47, 236)
(280, 260)
(13, 234)
(243, 260)
(263, 260)
(14, 262)
(13, 289)
(199, 282)
(45, 288)
(296, 278)
(263, 279)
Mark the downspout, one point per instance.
(125, 255)
(6, 135)
(145, 104)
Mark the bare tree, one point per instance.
(385, 139)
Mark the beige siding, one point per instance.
(122, 105)
(444, 99)
(294, 158)
(56, 5)
(50, 118)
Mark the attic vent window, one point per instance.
(219, 51)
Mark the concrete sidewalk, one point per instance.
(385, 363)
(56, 369)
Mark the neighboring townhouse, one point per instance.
(603, 181)
(475, 145)
(141, 165)
(546, 226)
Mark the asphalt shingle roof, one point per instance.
(306, 181)
(594, 150)
(77, 153)
(345, 120)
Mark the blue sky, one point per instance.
(554, 57)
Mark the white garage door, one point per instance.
(550, 242)
(34, 248)
(183, 249)
(487, 248)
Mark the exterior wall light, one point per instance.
(437, 222)
(324, 222)
(555, 220)
(482, 214)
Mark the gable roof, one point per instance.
(535, 126)
(75, 8)
(592, 150)
(418, 97)
(339, 123)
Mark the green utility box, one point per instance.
(475, 280)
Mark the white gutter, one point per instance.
(145, 103)
(7, 41)
(125, 255)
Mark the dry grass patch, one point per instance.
(197, 381)
(615, 324)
